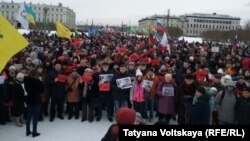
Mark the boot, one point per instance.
(22, 119)
(18, 123)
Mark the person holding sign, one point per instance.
(150, 91)
(57, 90)
(121, 84)
(105, 77)
(167, 98)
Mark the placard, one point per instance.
(167, 91)
(105, 78)
(215, 49)
(124, 83)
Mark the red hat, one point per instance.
(61, 58)
(201, 74)
(155, 61)
(86, 78)
(163, 48)
(133, 57)
(123, 51)
(125, 116)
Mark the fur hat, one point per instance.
(125, 116)
(20, 75)
(246, 89)
(138, 73)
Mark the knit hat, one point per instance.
(230, 83)
(20, 75)
(201, 90)
(240, 77)
(246, 89)
(12, 67)
(138, 73)
(125, 116)
(220, 71)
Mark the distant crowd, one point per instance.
(188, 82)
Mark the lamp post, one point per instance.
(45, 9)
(168, 17)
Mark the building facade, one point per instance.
(54, 13)
(172, 21)
(194, 24)
(197, 23)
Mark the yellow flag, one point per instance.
(11, 42)
(62, 31)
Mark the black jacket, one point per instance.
(118, 93)
(242, 111)
(200, 112)
(112, 133)
(34, 88)
(56, 89)
(103, 73)
(18, 100)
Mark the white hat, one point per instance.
(20, 75)
(227, 77)
(191, 58)
(88, 69)
(220, 71)
(12, 67)
(138, 73)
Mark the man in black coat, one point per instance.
(242, 108)
(120, 95)
(57, 91)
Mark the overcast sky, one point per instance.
(130, 11)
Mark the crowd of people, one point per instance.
(187, 82)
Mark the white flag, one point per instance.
(21, 17)
(164, 40)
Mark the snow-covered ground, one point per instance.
(59, 130)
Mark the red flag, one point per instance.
(104, 87)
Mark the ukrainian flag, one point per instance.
(30, 15)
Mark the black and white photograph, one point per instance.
(124, 83)
(168, 91)
(147, 84)
(105, 78)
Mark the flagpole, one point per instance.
(45, 9)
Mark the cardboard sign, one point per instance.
(104, 87)
(168, 91)
(215, 49)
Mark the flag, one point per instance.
(30, 15)
(132, 30)
(21, 17)
(62, 31)
(151, 40)
(8, 48)
(160, 27)
(164, 40)
(76, 33)
(92, 31)
(145, 31)
(235, 44)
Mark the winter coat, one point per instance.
(200, 111)
(118, 93)
(167, 104)
(155, 81)
(73, 93)
(56, 89)
(226, 109)
(242, 111)
(137, 93)
(18, 100)
(34, 88)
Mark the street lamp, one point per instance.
(45, 9)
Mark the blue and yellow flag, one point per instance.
(30, 15)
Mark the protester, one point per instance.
(242, 108)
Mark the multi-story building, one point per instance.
(172, 21)
(54, 13)
(194, 24)
(197, 23)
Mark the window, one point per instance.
(187, 31)
(209, 26)
(213, 26)
(194, 20)
(229, 27)
(190, 25)
(226, 27)
(12, 6)
(200, 26)
(2, 6)
(203, 26)
(206, 26)
(187, 25)
(217, 27)
(7, 6)
(194, 25)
